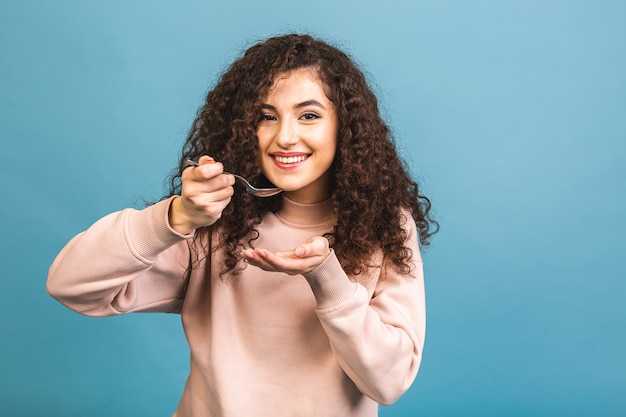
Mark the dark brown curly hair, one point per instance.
(371, 183)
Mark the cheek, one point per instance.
(261, 148)
(262, 140)
(329, 144)
(324, 136)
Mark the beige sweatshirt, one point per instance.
(262, 343)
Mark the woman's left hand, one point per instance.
(303, 258)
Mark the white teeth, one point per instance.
(290, 159)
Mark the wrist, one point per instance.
(178, 219)
(330, 284)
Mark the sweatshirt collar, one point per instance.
(298, 214)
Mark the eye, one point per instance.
(310, 116)
(267, 117)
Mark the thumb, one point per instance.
(205, 159)
(316, 246)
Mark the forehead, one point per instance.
(297, 83)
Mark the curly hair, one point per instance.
(371, 183)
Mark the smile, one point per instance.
(290, 159)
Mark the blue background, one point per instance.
(511, 113)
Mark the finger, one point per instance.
(201, 201)
(286, 254)
(207, 177)
(203, 160)
(252, 257)
(289, 264)
(209, 197)
(207, 191)
(302, 250)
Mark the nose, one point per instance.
(287, 134)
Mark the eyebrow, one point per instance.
(297, 106)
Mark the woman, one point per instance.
(309, 303)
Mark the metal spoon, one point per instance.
(257, 192)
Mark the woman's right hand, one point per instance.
(205, 192)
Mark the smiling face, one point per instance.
(297, 136)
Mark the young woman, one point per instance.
(308, 303)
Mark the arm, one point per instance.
(127, 261)
(136, 260)
(378, 340)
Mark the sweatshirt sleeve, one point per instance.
(378, 340)
(128, 261)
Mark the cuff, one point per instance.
(330, 284)
(149, 231)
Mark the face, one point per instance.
(297, 136)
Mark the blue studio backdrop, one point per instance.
(512, 115)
